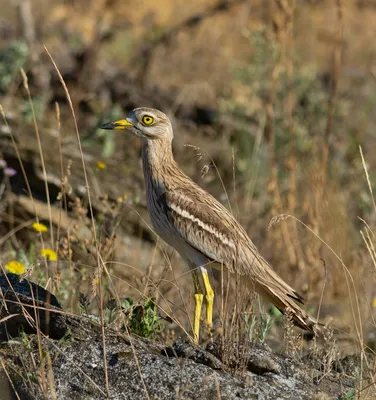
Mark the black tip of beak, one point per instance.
(108, 125)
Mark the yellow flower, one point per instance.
(374, 302)
(101, 165)
(40, 227)
(49, 254)
(15, 267)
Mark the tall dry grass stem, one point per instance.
(100, 265)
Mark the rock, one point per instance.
(139, 369)
(19, 299)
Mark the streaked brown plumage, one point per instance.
(192, 221)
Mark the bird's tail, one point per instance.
(275, 290)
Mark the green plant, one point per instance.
(143, 318)
(39, 109)
(257, 326)
(12, 58)
(349, 395)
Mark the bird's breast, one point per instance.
(164, 225)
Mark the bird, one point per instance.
(198, 226)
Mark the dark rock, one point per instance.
(25, 305)
(185, 349)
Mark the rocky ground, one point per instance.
(73, 366)
(139, 369)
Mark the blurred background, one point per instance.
(271, 102)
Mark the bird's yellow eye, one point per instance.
(147, 119)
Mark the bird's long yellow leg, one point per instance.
(199, 297)
(209, 297)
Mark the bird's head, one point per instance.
(146, 123)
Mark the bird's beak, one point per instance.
(120, 124)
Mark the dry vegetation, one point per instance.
(277, 99)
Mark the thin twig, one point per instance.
(367, 177)
(26, 86)
(9, 378)
(87, 189)
(336, 66)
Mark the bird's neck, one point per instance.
(157, 159)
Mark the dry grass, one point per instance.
(313, 207)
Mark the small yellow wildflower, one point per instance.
(374, 302)
(101, 165)
(15, 267)
(40, 227)
(49, 254)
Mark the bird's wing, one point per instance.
(206, 225)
